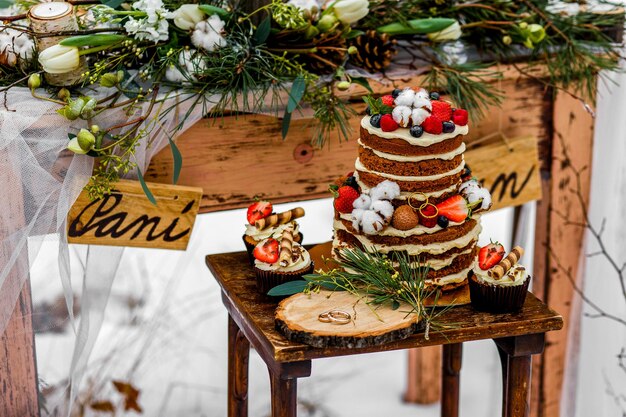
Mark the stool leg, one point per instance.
(450, 382)
(504, 362)
(284, 396)
(238, 354)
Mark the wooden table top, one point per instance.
(254, 313)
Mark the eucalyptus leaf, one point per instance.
(262, 31)
(286, 123)
(178, 160)
(93, 40)
(362, 81)
(288, 288)
(417, 26)
(297, 91)
(211, 10)
(145, 188)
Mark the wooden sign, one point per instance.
(510, 171)
(127, 218)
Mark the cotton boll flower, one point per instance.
(371, 222)
(384, 209)
(422, 100)
(405, 98)
(486, 197)
(386, 190)
(190, 62)
(402, 115)
(208, 34)
(13, 45)
(357, 216)
(419, 115)
(469, 185)
(363, 202)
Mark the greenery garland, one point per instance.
(149, 50)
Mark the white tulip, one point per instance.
(74, 146)
(59, 59)
(187, 16)
(350, 11)
(310, 5)
(451, 33)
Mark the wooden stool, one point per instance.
(251, 322)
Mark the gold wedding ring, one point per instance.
(335, 317)
(418, 194)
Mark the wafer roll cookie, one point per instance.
(279, 218)
(505, 264)
(286, 243)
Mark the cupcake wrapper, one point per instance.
(497, 299)
(250, 246)
(266, 280)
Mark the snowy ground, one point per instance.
(165, 332)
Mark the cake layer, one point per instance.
(415, 158)
(394, 237)
(428, 167)
(371, 179)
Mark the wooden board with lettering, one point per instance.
(510, 170)
(127, 218)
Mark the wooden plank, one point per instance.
(235, 159)
(18, 369)
(573, 128)
(127, 218)
(510, 170)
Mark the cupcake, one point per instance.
(280, 261)
(263, 224)
(498, 284)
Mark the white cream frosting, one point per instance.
(411, 249)
(392, 231)
(426, 139)
(303, 262)
(276, 231)
(416, 158)
(515, 276)
(411, 178)
(451, 279)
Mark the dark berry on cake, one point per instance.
(375, 120)
(416, 131)
(448, 127)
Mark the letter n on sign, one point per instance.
(127, 218)
(509, 170)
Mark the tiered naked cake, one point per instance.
(411, 191)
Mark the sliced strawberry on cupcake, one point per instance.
(259, 210)
(490, 255)
(267, 251)
(454, 209)
(442, 110)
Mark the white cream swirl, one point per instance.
(426, 139)
(515, 276)
(303, 261)
(257, 234)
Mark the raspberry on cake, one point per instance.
(412, 197)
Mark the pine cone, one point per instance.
(374, 51)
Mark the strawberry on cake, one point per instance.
(411, 191)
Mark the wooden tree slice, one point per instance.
(297, 317)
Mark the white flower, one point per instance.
(191, 62)
(384, 209)
(357, 216)
(362, 202)
(208, 34)
(15, 44)
(372, 222)
(350, 11)
(405, 98)
(401, 115)
(475, 193)
(154, 26)
(422, 99)
(451, 33)
(59, 59)
(310, 5)
(187, 16)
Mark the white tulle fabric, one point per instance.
(39, 182)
